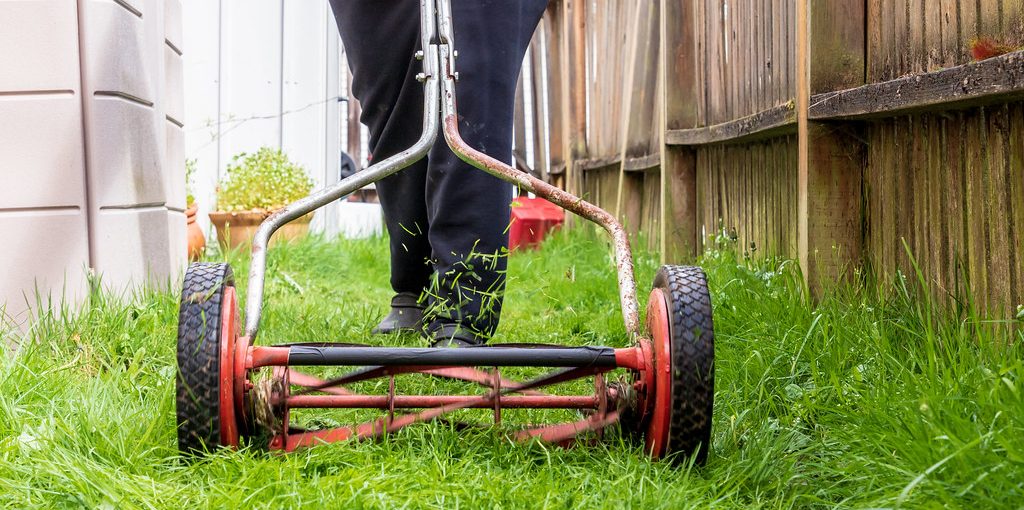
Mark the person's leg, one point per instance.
(381, 38)
(469, 210)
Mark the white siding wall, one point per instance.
(42, 155)
(136, 196)
(91, 162)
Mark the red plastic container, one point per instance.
(532, 219)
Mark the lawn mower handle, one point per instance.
(439, 78)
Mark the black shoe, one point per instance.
(406, 315)
(453, 335)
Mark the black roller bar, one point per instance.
(604, 357)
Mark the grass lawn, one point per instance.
(860, 401)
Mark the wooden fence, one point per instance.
(834, 132)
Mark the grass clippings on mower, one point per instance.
(868, 399)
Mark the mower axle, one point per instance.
(494, 356)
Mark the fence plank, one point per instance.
(838, 49)
(539, 114)
(1016, 183)
(557, 87)
(997, 203)
(954, 185)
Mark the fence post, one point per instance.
(830, 56)
(680, 93)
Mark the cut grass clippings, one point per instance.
(867, 399)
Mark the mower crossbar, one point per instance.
(493, 356)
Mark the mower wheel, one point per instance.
(683, 343)
(207, 331)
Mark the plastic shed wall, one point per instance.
(91, 147)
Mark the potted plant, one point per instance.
(254, 187)
(196, 239)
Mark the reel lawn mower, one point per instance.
(664, 393)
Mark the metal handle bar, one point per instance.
(440, 59)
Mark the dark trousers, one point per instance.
(446, 220)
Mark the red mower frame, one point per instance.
(665, 394)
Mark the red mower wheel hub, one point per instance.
(659, 395)
(229, 432)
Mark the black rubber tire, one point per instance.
(693, 360)
(198, 381)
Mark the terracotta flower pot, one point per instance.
(236, 229)
(196, 239)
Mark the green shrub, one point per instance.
(265, 180)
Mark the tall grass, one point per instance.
(865, 399)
